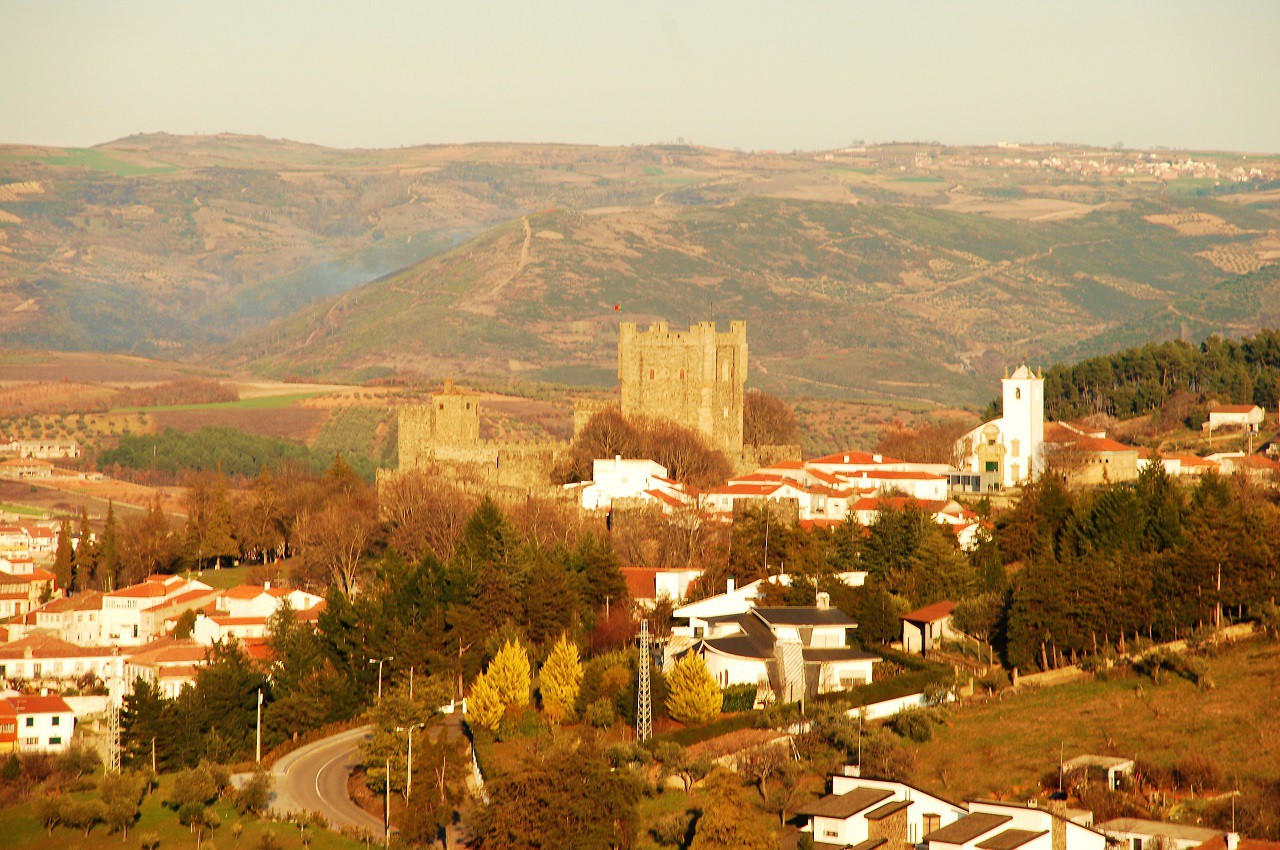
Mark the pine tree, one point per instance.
(561, 680)
(511, 675)
(484, 705)
(728, 822)
(63, 563)
(692, 694)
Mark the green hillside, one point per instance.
(882, 301)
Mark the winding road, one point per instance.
(314, 779)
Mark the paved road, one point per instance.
(314, 779)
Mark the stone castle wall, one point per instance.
(695, 377)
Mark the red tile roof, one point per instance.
(893, 475)
(930, 613)
(52, 704)
(1220, 843)
(855, 457)
(48, 646)
(641, 582)
(1233, 408)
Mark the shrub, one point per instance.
(737, 698)
(600, 713)
(255, 794)
(912, 724)
(673, 830)
(1198, 773)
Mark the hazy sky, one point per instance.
(732, 74)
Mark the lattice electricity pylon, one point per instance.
(113, 733)
(644, 698)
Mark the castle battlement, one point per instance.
(695, 377)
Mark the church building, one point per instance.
(1009, 451)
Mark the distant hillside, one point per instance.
(882, 301)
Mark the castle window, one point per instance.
(1017, 392)
(682, 374)
(651, 374)
(442, 405)
(468, 405)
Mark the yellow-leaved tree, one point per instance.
(692, 694)
(484, 705)
(511, 675)
(561, 679)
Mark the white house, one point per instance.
(649, 584)
(620, 479)
(994, 825)
(1009, 451)
(47, 659)
(785, 652)
(29, 723)
(135, 615)
(168, 664)
(869, 813)
(263, 600)
(1140, 834)
(1237, 417)
(925, 628)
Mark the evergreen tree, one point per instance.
(108, 562)
(511, 675)
(728, 821)
(939, 570)
(692, 694)
(484, 704)
(560, 680)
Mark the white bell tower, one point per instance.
(1023, 426)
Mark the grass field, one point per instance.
(99, 161)
(19, 830)
(266, 402)
(1006, 745)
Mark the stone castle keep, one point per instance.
(694, 377)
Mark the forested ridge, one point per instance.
(1139, 380)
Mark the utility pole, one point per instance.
(153, 753)
(113, 735)
(386, 819)
(410, 683)
(644, 697)
(258, 748)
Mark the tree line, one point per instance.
(1142, 379)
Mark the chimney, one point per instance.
(877, 458)
(823, 600)
(1233, 840)
(730, 585)
(44, 692)
(266, 585)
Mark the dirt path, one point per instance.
(485, 303)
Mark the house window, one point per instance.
(7, 728)
(1015, 447)
(31, 721)
(55, 741)
(1017, 392)
(830, 833)
(30, 742)
(57, 720)
(993, 466)
(1137, 844)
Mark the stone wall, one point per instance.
(695, 377)
(892, 829)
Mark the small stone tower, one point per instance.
(1023, 426)
(449, 421)
(695, 377)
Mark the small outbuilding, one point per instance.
(924, 628)
(1113, 766)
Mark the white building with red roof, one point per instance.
(618, 478)
(49, 660)
(135, 615)
(1235, 417)
(168, 664)
(244, 612)
(35, 723)
(649, 584)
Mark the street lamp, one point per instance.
(380, 662)
(408, 768)
(258, 757)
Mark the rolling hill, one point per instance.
(852, 300)
(902, 272)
